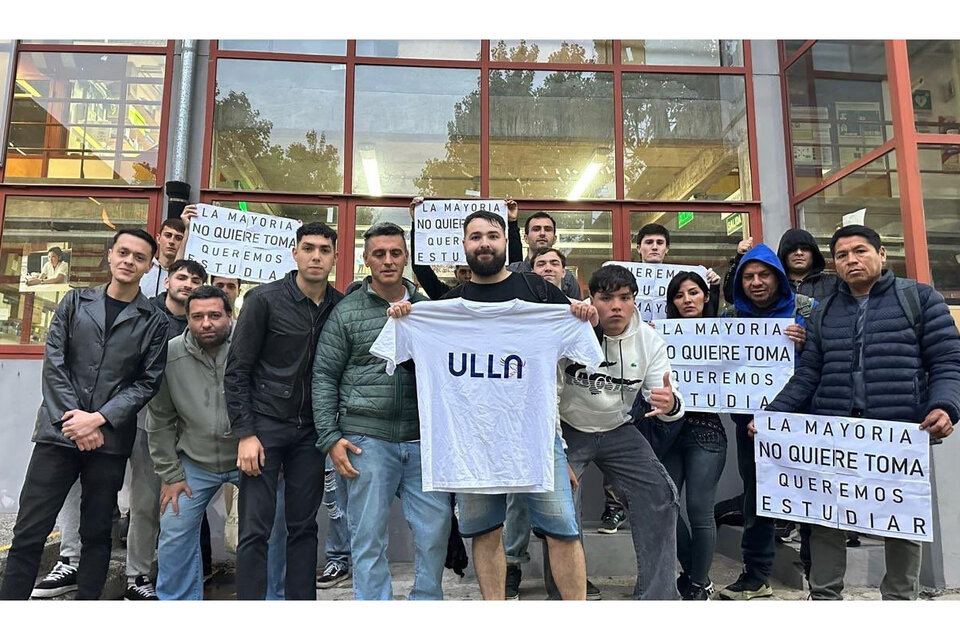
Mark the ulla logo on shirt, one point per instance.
(482, 366)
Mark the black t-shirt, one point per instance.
(523, 286)
(114, 307)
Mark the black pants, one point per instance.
(759, 542)
(53, 470)
(292, 450)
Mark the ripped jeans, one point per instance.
(337, 547)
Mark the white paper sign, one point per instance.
(652, 281)
(857, 474)
(728, 364)
(855, 217)
(438, 228)
(254, 247)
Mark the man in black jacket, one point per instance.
(540, 230)
(868, 355)
(267, 386)
(104, 358)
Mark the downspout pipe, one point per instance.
(178, 189)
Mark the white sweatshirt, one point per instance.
(634, 361)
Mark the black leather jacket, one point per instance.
(270, 363)
(115, 372)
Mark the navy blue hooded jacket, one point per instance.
(787, 303)
(907, 371)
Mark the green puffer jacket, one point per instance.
(352, 392)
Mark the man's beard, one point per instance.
(179, 297)
(215, 341)
(486, 268)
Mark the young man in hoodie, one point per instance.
(598, 428)
(761, 289)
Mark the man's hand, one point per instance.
(712, 277)
(250, 455)
(189, 213)
(413, 205)
(574, 483)
(338, 454)
(585, 312)
(745, 245)
(662, 400)
(400, 309)
(937, 424)
(751, 429)
(797, 334)
(169, 494)
(513, 211)
(79, 424)
(90, 442)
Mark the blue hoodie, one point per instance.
(786, 304)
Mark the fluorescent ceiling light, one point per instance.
(589, 173)
(368, 157)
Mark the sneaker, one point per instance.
(683, 583)
(141, 589)
(333, 574)
(697, 592)
(746, 588)
(611, 520)
(593, 593)
(513, 582)
(61, 579)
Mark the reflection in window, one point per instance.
(555, 51)
(551, 134)
(696, 238)
(935, 78)
(874, 188)
(6, 51)
(278, 126)
(117, 43)
(839, 103)
(940, 180)
(86, 118)
(416, 131)
(790, 47)
(432, 49)
(685, 137)
(691, 53)
(369, 216)
(63, 240)
(585, 237)
(316, 47)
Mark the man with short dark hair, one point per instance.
(230, 286)
(169, 243)
(540, 230)
(104, 359)
(884, 348)
(267, 389)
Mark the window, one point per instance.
(79, 229)
(935, 78)
(685, 137)
(317, 47)
(278, 126)
(691, 53)
(113, 43)
(86, 118)
(432, 49)
(555, 51)
(6, 53)
(584, 237)
(940, 180)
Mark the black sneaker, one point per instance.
(746, 588)
(61, 579)
(142, 589)
(683, 583)
(513, 582)
(698, 591)
(333, 574)
(611, 520)
(593, 593)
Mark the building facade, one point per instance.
(718, 140)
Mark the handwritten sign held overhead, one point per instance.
(438, 228)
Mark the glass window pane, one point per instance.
(685, 137)
(6, 51)
(278, 126)
(707, 239)
(935, 78)
(585, 237)
(875, 188)
(556, 51)
(81, 229)
(691, 53)
(839, 107)
(369, 216)
(75, 114)
(416, 131)
(118, 43)
(551, 135)
(790, 47)
(431, 49)
(318, 47)
(940, 179)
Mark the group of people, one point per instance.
(292, 399)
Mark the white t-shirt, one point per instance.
(151, 284)
(487, 388)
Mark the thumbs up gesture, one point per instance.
(662, 400)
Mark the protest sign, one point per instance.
(857, 474)
(254, 247)
(438, 228)
(652, 281)
(728, 364)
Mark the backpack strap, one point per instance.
(803, 305)
(909, 297)
(816, 316)
(537, 286)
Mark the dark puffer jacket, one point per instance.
(904, 379)
(817, 284)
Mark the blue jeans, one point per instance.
(337, 546)
(179, 567)
(696, 460)
(388, 470)
(277, 548)
(516, 530)
(758, 544)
